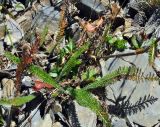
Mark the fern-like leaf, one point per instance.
(12, 57)
(72, 62)
(111, 78)
(37, 71)
(18, 101)
(130, 73)
(86, 99)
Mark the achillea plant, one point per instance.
(82, 95)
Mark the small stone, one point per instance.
(90, 8)
(27, 81)
(47, 122)
(130, 93)
(47, 17)
(153, 22)
(57, 107)
(57, 124)
(14, 32)
(86, 117)
(1, 48)
(8, 87)
(4, 74)
(117, 122)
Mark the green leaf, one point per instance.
(120, 44)
(89, 74)
(152, 51)
(111, 77)
(18, 101)
(130, 73)
(37, 71)
(19, 7)
(70, 45)
(135, 42)
(12, 57)
(112, 40)
(86, 99)
(53, 74)
(72, 62)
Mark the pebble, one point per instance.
(86, 117)
(8, 87)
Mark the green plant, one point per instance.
(152, 51)
(116, 42)
(134, 42)
(86, 99)
(73, 61)
(18, 101)
(130, 72)
(83, 97)
(89, 74)
(66, 50)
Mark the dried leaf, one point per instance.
(92, 27)
(115, 9)
(40, 85)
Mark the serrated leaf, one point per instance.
(86, 99)
(37, 71)
(12, 57)
(130, 73)
(18, 101)
(72, 62)
(110, 78)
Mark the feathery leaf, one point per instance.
(37, 71)
(86, 99)
(130, 73)
(18, 101)
(72, 62)
(12, 57)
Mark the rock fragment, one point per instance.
(132, 93)
(8, 88)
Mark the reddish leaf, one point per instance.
(92, 27)
(40, 85)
